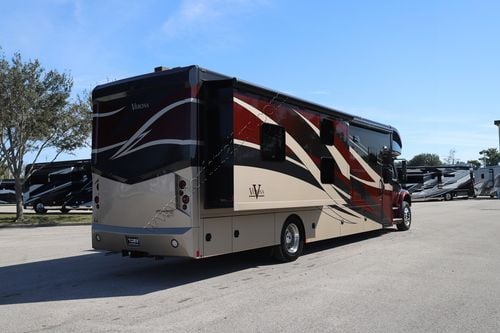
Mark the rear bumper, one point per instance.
(151, 241)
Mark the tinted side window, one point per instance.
(327, 170)
(272, 142)
(369, 144)
(327, 132)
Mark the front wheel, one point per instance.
(405, 224)
(64, 210)
(40, 208)
(291, 241)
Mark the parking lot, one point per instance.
(442, 275)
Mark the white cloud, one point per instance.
(190, 14)
(193, 17)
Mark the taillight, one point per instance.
(182, 195)
(96, 197)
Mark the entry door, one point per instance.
(367, 192)
(386, 213)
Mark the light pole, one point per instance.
(497, 123)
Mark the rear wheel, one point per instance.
(448, 197)
(291, 241)
(405, 224)
(40, 208)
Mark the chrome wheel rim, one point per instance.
(407, 216)
(292, 238)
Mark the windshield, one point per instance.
(144, 127)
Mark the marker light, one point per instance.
(185, 199)
(174, 243)
(182, 184)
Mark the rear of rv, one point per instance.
(144, 146)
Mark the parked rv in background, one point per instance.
(441, 182)
(189, 162)
(7, 191)
(58, 185)
(487, 181)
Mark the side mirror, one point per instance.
(386, 156)
(387, 174)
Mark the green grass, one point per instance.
(45, 219)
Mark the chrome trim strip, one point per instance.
(96, 227)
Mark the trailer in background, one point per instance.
(61, 185)
(7, 191)
(487, 181)
(444, 182)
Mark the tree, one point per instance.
(35, 114)
(3, 170)
(425, 159)
(450, 159)
(475, 163)
(490, 156)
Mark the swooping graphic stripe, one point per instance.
(140, 133)
(100, 150)
(298, 151)
(339, 159)
(255, 146)
(107, 114)
(161, 142)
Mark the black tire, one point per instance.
(39, 208)
(405, 224)
(65, 210)
(448, 196)
(291, 241)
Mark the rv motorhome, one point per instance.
(61, 185)
(487, 181)
(444, 182)
(188, 162)
(7, 191)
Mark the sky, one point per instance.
(430, 68)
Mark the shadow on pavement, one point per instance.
(99, 274)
